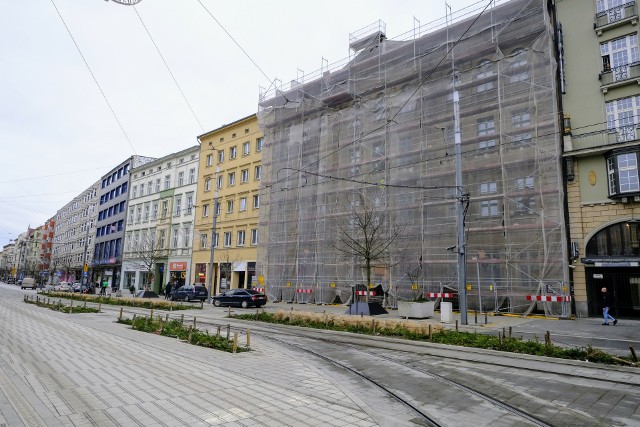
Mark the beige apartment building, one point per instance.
(600, 76)
(228, 205)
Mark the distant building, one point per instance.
(600, 63)
(230, 173)
(48, 230)
(112, 212)
(160, 219)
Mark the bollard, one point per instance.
(547, 339)
(194, 322)
(228, 331)
(373, 326)
(430, 332)
(181, 320)
(218, 333)
(48, 302)
(71, 307)
(248, 338)
(229, 312)
(37, 300)
(476, 312)
(161, 326)
(504, 332)
(151, 314)
(99, 306)
(59, 304)
(166, 318)
(257, 313)
(633, 354)
(190, 331)
(485, 318)
(456, 326)
(85, 304)
(120, 318)
(510, 330)
(235, 342)
(500, 338)
(201, 303)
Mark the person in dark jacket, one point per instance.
(167, 291)
(605, 308)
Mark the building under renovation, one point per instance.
(376, 133)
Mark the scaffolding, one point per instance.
(379, 126)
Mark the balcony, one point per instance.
(600, 141)
(619, 76)
(616, 16)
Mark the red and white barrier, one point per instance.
(371, 294)
(440, 294)
(261, 290)
(549, 298)
(304, 291)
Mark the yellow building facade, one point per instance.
(228, 206)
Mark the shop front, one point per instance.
(177, 273)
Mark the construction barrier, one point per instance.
(440, 294)
(304, 291)
(371, 294)
(549, 298)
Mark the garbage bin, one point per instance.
(446, 312)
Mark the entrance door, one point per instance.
(623, 284)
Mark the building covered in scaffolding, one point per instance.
(378, 129)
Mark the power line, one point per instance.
(94, 77)
(168, 69)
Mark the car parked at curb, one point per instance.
(190, 293)
(63, 287)
(28, 282)
(244, 298)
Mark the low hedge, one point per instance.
(63, 308)
(125, 301)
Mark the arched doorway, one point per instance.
(612, 260)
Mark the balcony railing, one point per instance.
(615, 14)
(604, 138)
(620, 74)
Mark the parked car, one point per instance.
(240, 297)
(63, 287)
(11, 280)
(190, 293)
(28, 282)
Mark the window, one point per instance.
(205, 210)
(259, 145)
(178, 205)
(165, 208)
(149, 187)
(134, 191)
(525, 204)
(187, 233)
(131, 213)
(203, 241)
(209, 160)
(207, 184)
(518, 67)
(138, 214)
(162, 239)
(520, 119)
(180, 179)
(229, 206)
(189, 204)
(524, 183)
(254, 236)
(488, 207)
(244, 175)
(618, 55)
(192, 176)
(232, 178)
(243, 204)
(256, 201)
(233, 152)
(219, 183)
(240, 238)
(155, 211)
(141, 189)
(167, 182)
(486, 126)
(621, 117)
(227, 239)
(257, 172)
(158, 185)
(174, 238)
(488, 187)
(246, 148)
(622, 171)
(220, 156)
(217, 210)
(147, 212)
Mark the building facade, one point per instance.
(228, 205)
(73, 237)
(601, 101)
(160, 221)
(110, 223)
(381, 130)
(48, 231)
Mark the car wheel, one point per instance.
(244, 304)
(187, 298)
(217, 303)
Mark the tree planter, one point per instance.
(416, 310)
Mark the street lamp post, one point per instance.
(213, 236)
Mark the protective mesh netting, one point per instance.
(379, 128)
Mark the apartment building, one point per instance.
(48, 231)
(380, 127)
(226, 227)
(160, 221)
(112, 211)
(600, 63)
(73, 236)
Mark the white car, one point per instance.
(63, 287)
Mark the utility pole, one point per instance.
(461, 246)
(213, 237)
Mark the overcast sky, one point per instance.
(58, 134)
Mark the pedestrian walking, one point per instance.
(103, 288)
(167, 291)
(605, 308)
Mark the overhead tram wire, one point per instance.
(391, 120)
(169, 69)
(94, 77)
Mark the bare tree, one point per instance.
(227, 266)
(368, 235)
(148, 252)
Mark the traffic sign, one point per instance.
(86, 267)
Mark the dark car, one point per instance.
(240, 297)
(190, 293)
